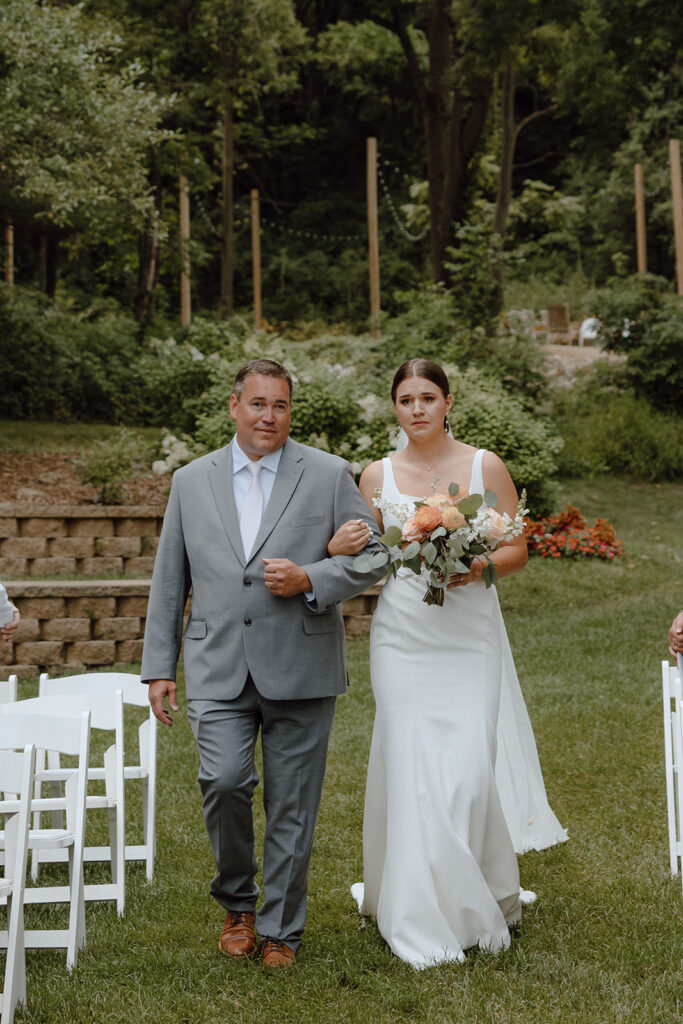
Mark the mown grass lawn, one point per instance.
(603, 944)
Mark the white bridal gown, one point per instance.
(454, 783)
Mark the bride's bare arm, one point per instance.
(371, 480)
(511, 556)
(352, 536)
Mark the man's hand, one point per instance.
(676, 635)
(158, 690)
(7, 632)
(285, 579)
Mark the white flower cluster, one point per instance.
(177, 453)
(401, 510)
(495, 526)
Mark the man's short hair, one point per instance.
(267, 367)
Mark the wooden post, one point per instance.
(677, 196)
(256, 256)
(641, 242)
(373, 234)
(185, 292)
(9, 252)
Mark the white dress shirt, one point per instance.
(241, 478)
(241, 482)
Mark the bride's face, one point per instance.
(421, 407)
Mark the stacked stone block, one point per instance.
(78, 540)
(72, 626)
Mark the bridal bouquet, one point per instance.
(442, 536)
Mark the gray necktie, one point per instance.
(252, 510)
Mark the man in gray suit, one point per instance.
(248, 528)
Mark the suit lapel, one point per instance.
(220, 481)
(287, 478)
(286, 481)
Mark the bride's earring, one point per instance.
(445, 423)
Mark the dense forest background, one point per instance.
(507, 130)
(522, 117)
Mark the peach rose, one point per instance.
(439, 500)
(452, 519)
(422, 523)
(497, 525)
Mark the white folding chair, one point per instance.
(69, 735)
(8, 690)
(16, 776)
(106, 711)
(145, 770)
(673, 757)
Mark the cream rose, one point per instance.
(497, 527)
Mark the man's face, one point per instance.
(262, 415)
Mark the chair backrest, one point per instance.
(66, 734)
(8, 690)
(16, 776)
(134, 692)
(106, 709)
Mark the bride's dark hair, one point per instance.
(420, 368)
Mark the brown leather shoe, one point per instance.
(238, 937)
(276, 953)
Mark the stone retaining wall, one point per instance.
(50, 541)
(70, 626)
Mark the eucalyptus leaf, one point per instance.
(392, 537)
(491, 499)
(453, 490)
(438, 532)
(470, 506)
(363, 563)
(455, 547)
(411, 550)
(429, 552)
(461, 567)
(414, 564)
(379, 558)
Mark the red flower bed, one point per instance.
(568, 535)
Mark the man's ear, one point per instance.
(234, 401)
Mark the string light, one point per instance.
(394, 213)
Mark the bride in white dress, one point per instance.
(440, 868)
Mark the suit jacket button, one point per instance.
(247, 582)
(247, 622)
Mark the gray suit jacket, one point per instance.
(291, 650)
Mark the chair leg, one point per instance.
(76, 936)
(15, 966)
(117, 845)
(149, 830)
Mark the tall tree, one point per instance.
(76, 124)
(255, 46)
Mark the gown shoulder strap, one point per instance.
(477, 477)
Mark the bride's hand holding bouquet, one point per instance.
(447, 540)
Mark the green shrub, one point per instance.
(606, 429)
(486, 415)
(60, 365)
(109, 463)
(643, 319)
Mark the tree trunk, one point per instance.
(453, 124)
(228, 222)
(148, 268)
(47, 267)
(507, 155)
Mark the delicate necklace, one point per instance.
(429, 466)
